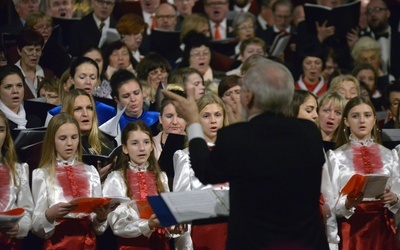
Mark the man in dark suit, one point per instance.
(87, 31)
(378, 21)
(273, 165)
(217, 13)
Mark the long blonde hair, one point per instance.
(8, 151)
(49, 153)
(95, 136)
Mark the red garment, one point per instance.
(157, 241)
(9, 244)
(209, 236)
(72, 234)
(311, 87)
(141, 184)
(370, 227)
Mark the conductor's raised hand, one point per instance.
(186, 107)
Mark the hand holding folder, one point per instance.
(10, 218)
(370, 185)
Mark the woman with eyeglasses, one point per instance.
(132, 28)
(154, 70)
(197, 54)
(244, 27)
(30, 44)
(312, 65)
(54, 54)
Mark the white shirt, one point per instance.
(222, 28)
(147, 19)
(98, 22)
(32, 86)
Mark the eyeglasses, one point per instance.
(107, 3)
(375, 10)
(199, 55)
(42, 28)
(216, 4)
(165, 16)
(250, 27)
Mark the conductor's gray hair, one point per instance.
(272, 85)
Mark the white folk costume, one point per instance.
(371, 223)
(68, 180)
(133, 231)
(204, 234)
(16, 195)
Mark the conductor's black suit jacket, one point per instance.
(273, 165)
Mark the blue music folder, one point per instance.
(162, 211)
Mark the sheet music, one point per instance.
(198, 204)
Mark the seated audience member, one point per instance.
(330, 110)
(127, 93)
(248, 47)
(367, 50)
(346, 85)
(197, 54)
(132, 29)
(49, 88)
(54, 54)
(87, 32)
(190, 78)
(30, 44)
(154, 69)
(366, 73)
(393, 100)
(60, 8)
(85, 75)
(12, 99)
(229, 92)
(312, 64)
(244, 27)
(184, 9)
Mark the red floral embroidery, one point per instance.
(74, 181)
(367, 159)
(5, 182)
(141, 184)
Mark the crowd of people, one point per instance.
(260, 100)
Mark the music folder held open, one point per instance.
(183, 207)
